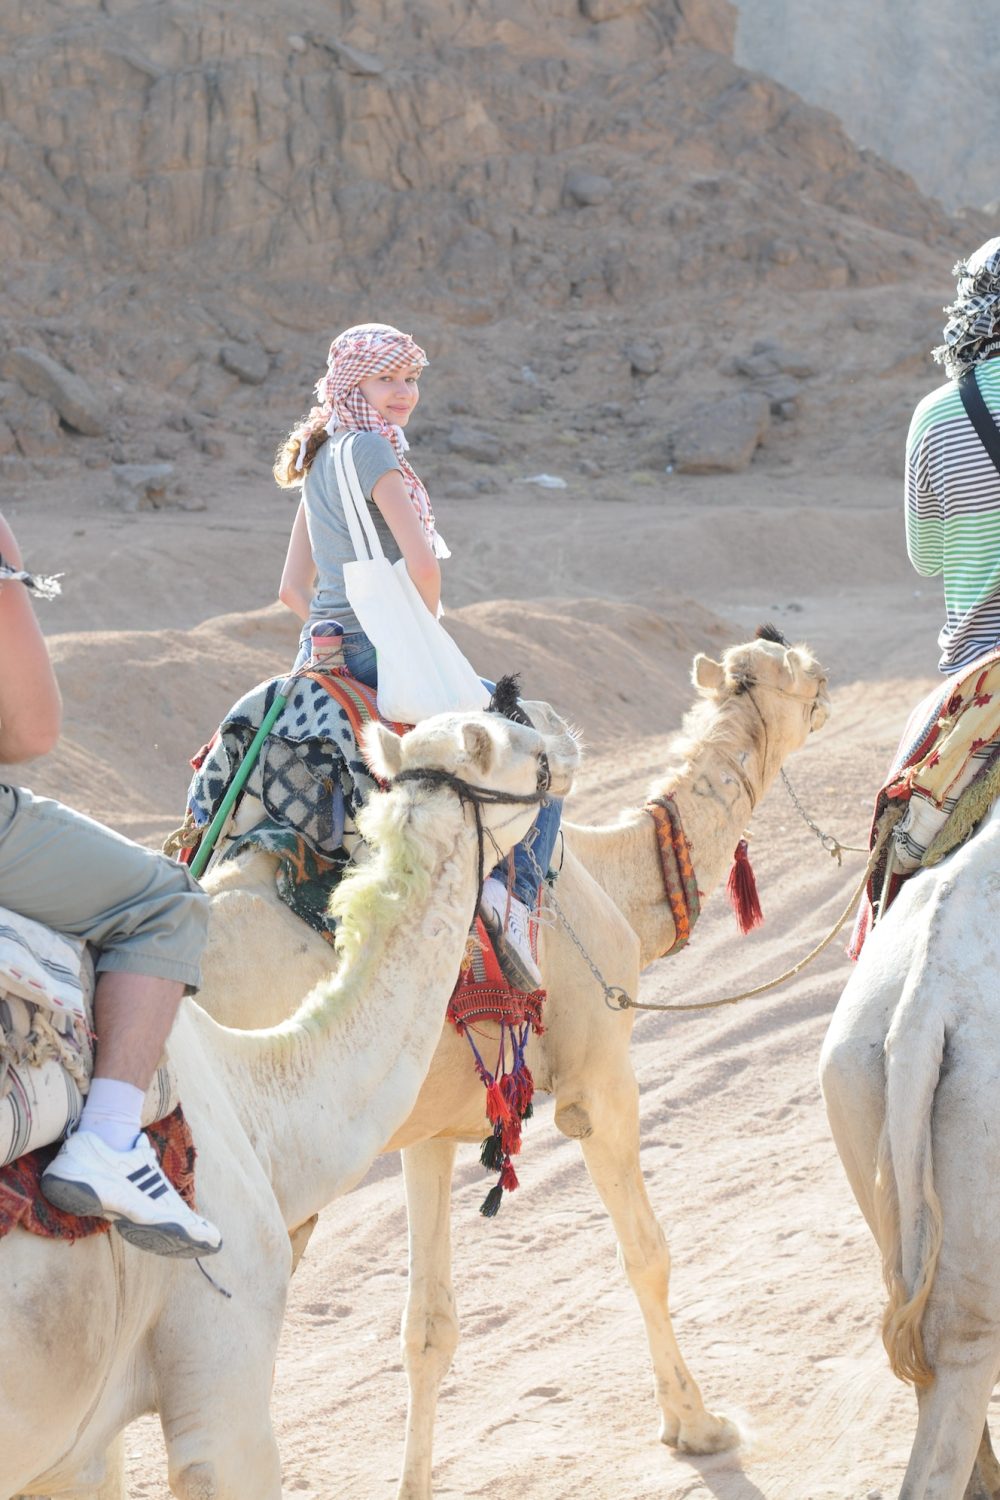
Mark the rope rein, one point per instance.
(618, 999)
(885, 833)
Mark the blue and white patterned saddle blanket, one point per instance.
(310, 775)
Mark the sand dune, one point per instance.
(775, 1284)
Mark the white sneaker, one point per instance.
(127, 1187)
(513, 942)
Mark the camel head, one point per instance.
(482, 749)
(786, 684)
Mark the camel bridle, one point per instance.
(745, 689)
(479, 797)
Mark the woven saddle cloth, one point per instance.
(944, 777)
(46, 1038)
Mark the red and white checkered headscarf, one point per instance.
(359, 354)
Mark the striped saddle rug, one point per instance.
(46, 1038)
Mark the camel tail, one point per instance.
(908, 1220)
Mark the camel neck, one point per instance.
(715, 795)
(320, 1094)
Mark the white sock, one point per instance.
(113, 1111)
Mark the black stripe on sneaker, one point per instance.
(152, 1184)
(141, 1175)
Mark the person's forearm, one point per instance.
(425, 574)
(295, 600)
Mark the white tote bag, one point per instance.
(421, 671)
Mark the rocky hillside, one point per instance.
(913, 79)
(592, 224)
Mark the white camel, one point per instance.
(755, 706)
(96, 1333)
(909, 1069)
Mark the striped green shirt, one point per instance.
(953, 516)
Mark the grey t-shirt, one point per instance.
(329, 537)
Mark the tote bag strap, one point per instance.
(979, 415)
(359, 521)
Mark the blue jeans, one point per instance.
(359, 656)
(540, 839)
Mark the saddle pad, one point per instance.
(40, 965)
(950, 739)
(22, 1204)
(45, 1072)
(311, 773)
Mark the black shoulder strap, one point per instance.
(979, 414)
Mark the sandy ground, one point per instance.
(775, 1289)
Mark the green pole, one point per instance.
(246, 765)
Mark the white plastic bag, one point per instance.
(421, 670)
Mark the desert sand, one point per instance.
(775, 1286)
(601, 229)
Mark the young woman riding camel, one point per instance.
(370, 388)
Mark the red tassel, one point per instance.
(742, 888)
(510, 1136)
(497, 1107)
(508, 1177)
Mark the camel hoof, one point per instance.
(708, 1435)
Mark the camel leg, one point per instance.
(950, 1427)
(213, 1363)
(236, 1460)
(985, 1481)
(430, 1323)
(609, 1138)
(852, 1077)
(113, 1486)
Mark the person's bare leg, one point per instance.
(133, 1014)
(108, 1166)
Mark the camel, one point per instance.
(755, 707)
(96, 1333)
(908, 1070)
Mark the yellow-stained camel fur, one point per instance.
(96, 1333)
(755, 707)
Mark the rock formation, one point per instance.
(913, 79)
(194, 196)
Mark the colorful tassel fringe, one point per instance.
(742, 888)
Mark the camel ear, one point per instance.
(383, 751)
(706, 674)
(478, 746)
